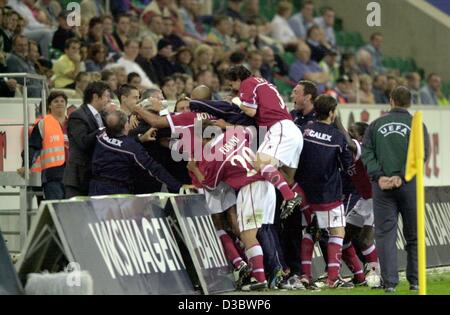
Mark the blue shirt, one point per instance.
(299, 68)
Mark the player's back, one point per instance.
(324, 152)
(359, 176)
(229, 158)
(263, 96)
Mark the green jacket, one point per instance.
(385, 144)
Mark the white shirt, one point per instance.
(26, 13)
(131, 66)
(281, 30)
(96, 115)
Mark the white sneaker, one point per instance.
(295, 283)
(373, 279)
(254, 285)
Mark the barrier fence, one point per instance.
(165, 244)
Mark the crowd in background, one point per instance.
(169, 44)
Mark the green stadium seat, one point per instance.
(284, 88)
(288, 58)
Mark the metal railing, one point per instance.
(13, 179)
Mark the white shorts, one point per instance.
(361, 214)
(220, 199)
(283, 141)
(331, 219)
(256, 205)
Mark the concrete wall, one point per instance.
(411, 28)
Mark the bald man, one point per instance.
(116, 155)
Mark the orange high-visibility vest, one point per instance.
(52, 153)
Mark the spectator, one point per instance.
(128, 61)
(431, 93)
(182, 105)
(206, 78)
(306, 69)
(303, 20)
(316, 42)
(237, 58)
(67, 66)
(179, 83)
(92, 8)
(169, 34)
(146, 52)
(81, 82)
(83, 128)
(122, 30)
(379, 89)
(221, 33)
(203, 58)
(255, 62)
(96, 57)
(252, 10)
(188, 17)
(42, 66)
(110, 78)
(392, 83)
(183, 60)
(95, 34)
(10, 22)
(154, 28)
(121, 75)
(34, 29)
(135, 27)
(413, 83)
(18, 62)
(374, 48)
(156, 7)
(233, 10)
(169, 88)
(63, 33)
(342, 90)
(330, 66)
(348, 65)
(365, 91)
(134, 80)
(49, 147)
(365, 63)
(326, 22)
(52, 9)
(161, 62)
(281, 30)
(108, 37)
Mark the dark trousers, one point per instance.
(387, 206)
(53, 190)
(101, 188)
(72, 191)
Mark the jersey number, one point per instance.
(245, 159)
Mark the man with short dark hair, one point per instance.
(374, 48)
(68, 65)
(83, 127)
(303, 20)
(303, 96)
(384, 153)
(128, 96)
(116, 155)
(431, 93)
(325, 151)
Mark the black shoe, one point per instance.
(414, 287)
(389, 290)
(288, 206)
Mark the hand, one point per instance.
(134, 121)
(21, 172)
(186, 189)
(397, 181)
(222, 124)
(12, 84)
(385, 183)
(150, 135)
(76, 58)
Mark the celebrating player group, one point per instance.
(306, 174)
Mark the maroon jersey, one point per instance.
(230, 160)
(182, 125)
(359, 176)
(263, 96)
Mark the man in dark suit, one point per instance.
(83, 126)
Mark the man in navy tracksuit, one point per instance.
(116, 155)
(324, 153)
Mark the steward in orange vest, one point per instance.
(49, 145)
